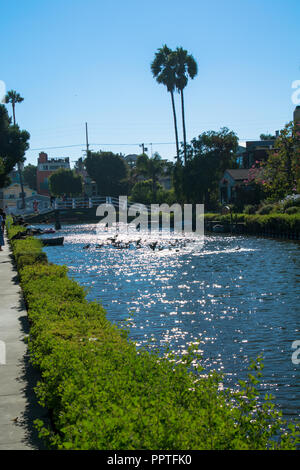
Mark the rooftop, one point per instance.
(238, 174)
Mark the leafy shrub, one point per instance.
(250, 209)
(103, 394)
(291, 201)
(276, 223)
(292, 210)
(267, 209)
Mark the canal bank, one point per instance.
(18, 403)
(103, 394)
(275, 225)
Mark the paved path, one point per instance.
(18, 404)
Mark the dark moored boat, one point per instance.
(53, 241)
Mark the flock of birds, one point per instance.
(158, 245)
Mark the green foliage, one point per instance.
(250, 209)
(207, 158)
(13, 145)
(291, 202)
(280, 174)
(257, 223)
(292, 210)
(103, 394)
(28, 252)
(64, 181)
(274, 222)
(110, 172)
(142, 192)
(29, 174)
(266, 209)
(151, 168)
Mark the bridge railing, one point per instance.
(94, 202)
(88, 203)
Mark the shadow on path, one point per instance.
(30, 376)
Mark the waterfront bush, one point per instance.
(104, 394)
(292, 210)
(266, 209)
(250, 209)
(291, 201)
(275, 223)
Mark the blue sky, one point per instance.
(89, 60)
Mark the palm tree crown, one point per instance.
(186, 67)
(13, 97)
(163, 68)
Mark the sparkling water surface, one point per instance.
(237, 295)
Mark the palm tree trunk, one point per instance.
(19, 165)
(175, 125)
(183, 126)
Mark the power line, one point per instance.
(84, 145)
(120, 144)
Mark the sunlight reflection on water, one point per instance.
(238, 295)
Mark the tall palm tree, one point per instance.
(186, 67)
(163, 69)
(13, 97)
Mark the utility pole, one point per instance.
(87, 139)
(143, 148)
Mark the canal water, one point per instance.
(237, 295)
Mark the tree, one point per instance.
(142, 192)
(186, 67)
(208, 156)
(280, 174)
(110, 172)
(13, 145)
(267, 137)
(163, 69)
(151, 168)
(13, 97)
(29, 174)
(66, 182)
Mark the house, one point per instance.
(131, 160)
(257, 150)
(11, 201)
(10, 196)
(297, 115)
(45, 168)
(230, 181)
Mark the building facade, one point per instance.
(230, 181)
(45, 168)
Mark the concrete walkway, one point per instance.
(18, 404)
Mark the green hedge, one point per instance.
(103, 394)
(274, 222)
